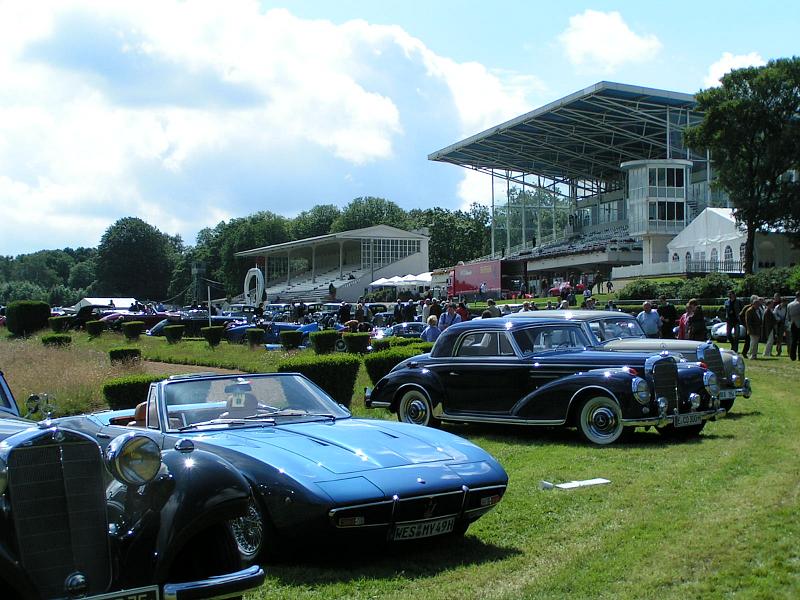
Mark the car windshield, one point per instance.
(615, 328)
(253, 400)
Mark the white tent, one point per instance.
(379, 282)
(105, 301)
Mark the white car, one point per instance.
(719, 332)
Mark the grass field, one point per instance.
(712, 518)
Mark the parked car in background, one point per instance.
(411, 329)
(316, 472)
(236, 331)
(115, 319)
(621, 332)
(719, 332)
(193, 321)
(540, 372)
(80, 522)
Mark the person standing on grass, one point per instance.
(669, 317)
(781, 323)
(793, 317)
(696, 323)
(753, 324)
(732, 308)
(768, 327)
(649, 320)
(746, 346)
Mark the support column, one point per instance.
(492, 213)
(266, 278)
(341, 258)
(508, 213)
(313, 264)
(288, 267)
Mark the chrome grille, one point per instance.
(713, 360)
(665, 381)
(427, 507)
(57, 497)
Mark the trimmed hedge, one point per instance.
(324, 342)
(393, 342)
(380, 363)
(291, 339)
(213, 334)
(132, 330)
(255, 336)
(57, 339)
(334, 373)
(357, 343)
(126, 392)
(95, 328)
(24, 317)
(60, 324)
(173, 333)
(124, 354)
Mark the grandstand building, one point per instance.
(346, 262)
(606, 171)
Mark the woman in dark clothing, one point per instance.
(696, 323)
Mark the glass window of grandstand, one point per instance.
(666, 182)
(385, 252)
(664, 210)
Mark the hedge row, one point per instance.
(173, 333)
(213, 334)
(378, 364)
(57, 339)
(291, 339)
(126, 392)
(124, 354)
(324, 342)
(60, 324)
(95, 328)
(24, 317)
(334, 373)
(132, 330)
(357, 343)
(393, 341)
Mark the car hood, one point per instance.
(346, 446)
(653, 345)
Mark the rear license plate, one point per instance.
(727, 394)
(688, 419)
(413, 531)
(143, 593)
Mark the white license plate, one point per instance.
(727, 394)
(688, 419)
(413, 531)
(143, 593)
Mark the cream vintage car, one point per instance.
(620, 332)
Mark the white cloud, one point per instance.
(727, 63)
(603, 41)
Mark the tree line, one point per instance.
(136, 259)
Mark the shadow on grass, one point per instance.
(742, 415)
(418, 559)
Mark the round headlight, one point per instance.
(3, 476)
(711, 383)
(641, 391)
(133, 459)
(737, 380)
(738, 365)
(694, 401)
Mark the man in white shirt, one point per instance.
(649, 320)
(450, 317)
(793, 317)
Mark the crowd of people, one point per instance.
(776, 321)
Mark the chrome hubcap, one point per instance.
(603, 421)
(416, 411)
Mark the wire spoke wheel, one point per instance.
(248, 532)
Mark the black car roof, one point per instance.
(567, 315)
(503, 323)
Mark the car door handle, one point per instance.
(105, 436)
(454, 373)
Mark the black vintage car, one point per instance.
(540, 372)
(133, 522)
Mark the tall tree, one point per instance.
(369, 211)
(314, 222)
(752, 127)
(134, 259)
(454, 235)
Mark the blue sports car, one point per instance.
(315, 471)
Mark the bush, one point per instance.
(639, 289)
(126, 392)
(768, 281)
(213, 334)
(793, 283)
(357, 343)
(423, 347)
(57, 339)
(380, 344)
(124, 354)
(713, 285)
(334, 373)
(324, 342)
(132, 330)
(291, 339)
(60, 324)
(255, 336)
(173, 333)
(24, 317)
(95, 328)
(380, 363)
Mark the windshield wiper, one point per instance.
(244, 421)
(297, 413)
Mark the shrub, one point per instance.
(793, 283)
(639, 289)
(380, 344)
(291, 339)
(380, 363)
(57, 339)
(124, 354)
(126, 392)
(24, 317)
(334, 373)
(60, 324)
(95, 328)
(324, 342)
(255, 336)
(213, 334)
(423, 347)
(768, 281)
(173, 333)
(357, 343)
(132, 330)
(713, 285)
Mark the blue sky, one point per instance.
(188, 113)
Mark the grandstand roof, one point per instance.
(584, 136)
(376, 231)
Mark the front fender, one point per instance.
(413, 377)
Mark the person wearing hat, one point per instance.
(450, 317)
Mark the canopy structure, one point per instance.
(409, 280)
(105, 301)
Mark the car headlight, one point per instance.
(694, 401)
(738, 365)
(133, 459)
(3, 476)
(737, 380)
(641, 391)
(711, 383)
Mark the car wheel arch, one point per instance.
(433, 397)
(583, 394)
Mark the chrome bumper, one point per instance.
(745, 390)
(662, 421)
(370, 403)
(217, 587)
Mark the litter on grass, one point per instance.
(546, 485)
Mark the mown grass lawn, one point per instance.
(713, 518)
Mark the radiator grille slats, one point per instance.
(665, 379)
(713, 359)
(57, 499)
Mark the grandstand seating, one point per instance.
(303, 288)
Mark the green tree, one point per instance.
(454, 235)
(21, 290)
(81, 275)
(45, 267)
(314, 222)
(751, 124)
(134, 259)
(369, 211)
